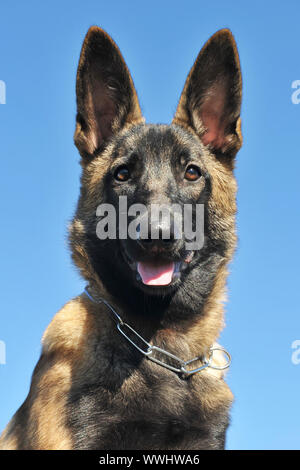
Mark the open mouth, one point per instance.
(159, 273)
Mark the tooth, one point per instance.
(138, 277)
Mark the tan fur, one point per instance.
(81, 326)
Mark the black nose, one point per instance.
(160, 234)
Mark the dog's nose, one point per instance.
(160, 234)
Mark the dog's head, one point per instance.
(187, 167)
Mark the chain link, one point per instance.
(150, 349)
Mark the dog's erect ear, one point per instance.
(211, 99)
(106, 97)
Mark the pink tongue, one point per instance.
(156, 275)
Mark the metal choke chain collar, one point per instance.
(181, 367)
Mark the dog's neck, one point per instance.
(184, 313)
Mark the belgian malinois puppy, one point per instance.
(132, 362)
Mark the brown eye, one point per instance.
(192, 173)
(122, 174)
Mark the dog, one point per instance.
(133, 363)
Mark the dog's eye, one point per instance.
(192, 173)
(122, 173)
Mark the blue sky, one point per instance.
(39, 183)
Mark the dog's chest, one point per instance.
(144, 410)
